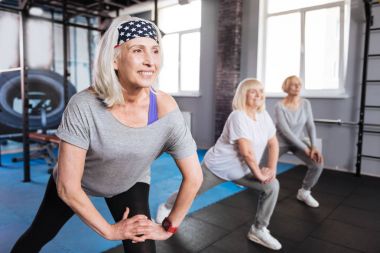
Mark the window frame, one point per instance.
(343, 6)
(180, 92)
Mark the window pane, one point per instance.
(9, 27)
(180, 17)
(190, 47)
(80, 70)
(39, 44)
(283, 47)
(322, 33)
(168, 79)
(281, 5)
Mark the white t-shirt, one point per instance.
(224, 159)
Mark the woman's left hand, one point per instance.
(316, 156)
(157, 232)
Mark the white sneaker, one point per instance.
(162, 213)
(305, 196)
(262, 236)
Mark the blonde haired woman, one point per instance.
(248, 131)
(294, 116)
(110, 135)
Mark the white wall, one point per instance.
(203, 108)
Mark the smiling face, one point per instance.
(255, 97)
(138, 63)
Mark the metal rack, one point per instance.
(366, 128)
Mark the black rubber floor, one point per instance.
(348, 219)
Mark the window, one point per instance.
(9, 46)
(181, 46)
(304, 38)
(80, 52)
(38, 37)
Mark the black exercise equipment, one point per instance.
(47, 143)
(46, 106)
(45, 91)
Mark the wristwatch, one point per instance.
(167, 225)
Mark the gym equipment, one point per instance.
(45, 92)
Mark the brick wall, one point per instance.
(228, 59)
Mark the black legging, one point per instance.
(54, 213)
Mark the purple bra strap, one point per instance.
(153, 113)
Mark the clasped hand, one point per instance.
(315, 155)
(138, 229)
(267, 175)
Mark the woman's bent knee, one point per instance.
(273, 186)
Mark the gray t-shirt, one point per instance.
(291, 125)
(119, 156)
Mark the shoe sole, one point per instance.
(258, 241)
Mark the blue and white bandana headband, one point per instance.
(135, 29)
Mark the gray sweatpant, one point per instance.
(268, 194)
(314, 170)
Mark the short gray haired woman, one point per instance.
(110, 135)
(294, 117)
(248, 131)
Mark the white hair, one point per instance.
(105, 80)
(240, 97)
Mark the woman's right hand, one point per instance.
(316, 156)
(308, 152)
(132, 228)
(266, 175)
(158, 233)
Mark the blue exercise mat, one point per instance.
(166, 179)
(19, 203)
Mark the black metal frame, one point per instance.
(363, 127)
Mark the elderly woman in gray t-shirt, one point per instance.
(110, 135)
(293, 116)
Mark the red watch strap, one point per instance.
(172, 229)
(167, 225)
